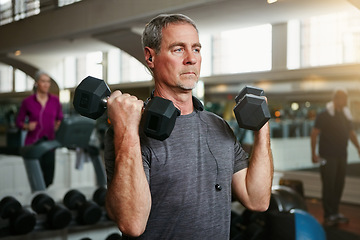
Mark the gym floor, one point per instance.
(349, 231)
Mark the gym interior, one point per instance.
(298, 52)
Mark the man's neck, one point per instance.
(181, 99)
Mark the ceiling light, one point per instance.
(271, 1)
(17, 53)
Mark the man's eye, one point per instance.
(178, 50)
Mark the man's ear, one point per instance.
(149, 56)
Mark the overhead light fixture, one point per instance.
(17, 53)
(271, 1)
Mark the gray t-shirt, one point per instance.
(183, 170)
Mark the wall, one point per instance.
(14, 182)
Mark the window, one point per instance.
(206, 63)
(114, 64)
(242, 50)
(5, 12)
(69, 73)
(15, 10)
(331, 39)
(293, 44)
(62, 3)
(6, 78)
(132, 70)
(23, 82)
(94, 65)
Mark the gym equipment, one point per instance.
(251, 110)
(296, 185)
(31, 155)
(88, 212)
(253, 225)
(73, 132)
(90, 97)
(21, 220)
(159, 115)
(284, 199)
(249, 225)
(57, 217)
(98, 164)
(99, 196)
(307, 227)
(159, 118)
(294, 225)
(114, 236)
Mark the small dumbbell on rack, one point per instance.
(57, 217)
(21, 220)
(87, 212)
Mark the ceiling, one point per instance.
(243, 13)
(210, 17)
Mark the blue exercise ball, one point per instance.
(306, 226)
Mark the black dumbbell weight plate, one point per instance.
(89, 213)
(159, 118)
(100, 195)
(252, 112)
(23, 223)
(59, 217)
(89, 96)
(40, 202)
(8, 205)
(72, 198)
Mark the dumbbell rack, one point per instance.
(74, 231)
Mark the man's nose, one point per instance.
(190, 58)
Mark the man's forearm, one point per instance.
(128, 199)
(260, 171)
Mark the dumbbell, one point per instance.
(251, 110)
(114, 236)
(88, 212)
(57, 217)
(99, 196)
(21, 220)
(159, 115)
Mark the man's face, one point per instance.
(340, 100)
(179, 61)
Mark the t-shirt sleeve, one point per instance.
(146, 157)
(241, 157)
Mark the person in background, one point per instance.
(332, 130)
(40, 114)
(179, 188)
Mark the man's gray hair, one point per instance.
(152, 34)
